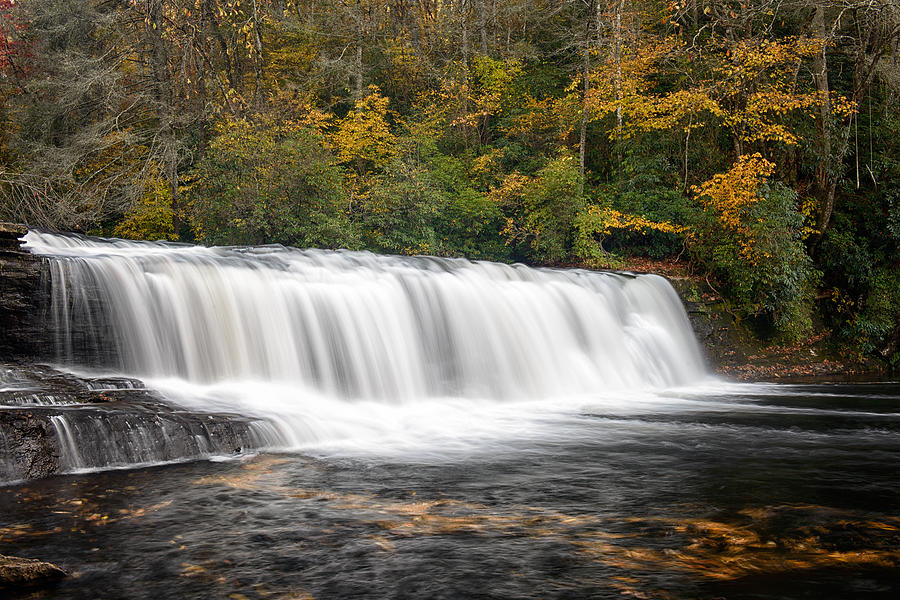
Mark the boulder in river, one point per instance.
(24, 572)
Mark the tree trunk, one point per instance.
(358, 64)
(258, 57)
(618, 57)
(482, 26)
(586, 88)
(825, 177)
(165, 109)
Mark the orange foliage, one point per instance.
(729, 194)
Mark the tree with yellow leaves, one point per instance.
(363, 138)
(748, 234)
(729, 196)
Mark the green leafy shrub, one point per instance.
(875, 330)
(541, 210)
(396, 212)
(748, 235)
(270, 183)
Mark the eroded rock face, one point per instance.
(28, 447)
(24, 297)
(10, 234)
(54, 422)
(27, 572)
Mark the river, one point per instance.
(742, 491)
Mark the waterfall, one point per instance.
(323, 345)
(360, 325)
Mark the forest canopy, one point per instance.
(757, 139)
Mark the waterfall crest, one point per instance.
(355, 325)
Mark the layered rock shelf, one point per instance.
(53, 422)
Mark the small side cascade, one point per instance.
(97, 439)
(70, 455)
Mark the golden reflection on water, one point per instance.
(752, 542)
(760, 540)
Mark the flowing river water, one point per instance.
(432, 428)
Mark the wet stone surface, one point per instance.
(19, 573)
(54, 422)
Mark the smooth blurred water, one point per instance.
(353, 349)
(742, 491)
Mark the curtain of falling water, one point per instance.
(360, 325)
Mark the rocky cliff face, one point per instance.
(723, 342)
(24, 298)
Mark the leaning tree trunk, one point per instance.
(825, 177)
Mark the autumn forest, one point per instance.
(756, 142)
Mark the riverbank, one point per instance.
(734, 350)
(808, 360)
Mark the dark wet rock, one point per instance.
(27, 572)
(54, 422)
(24, 297)
(29, 448)
(10, 234)
(723, 341)
(39, 385)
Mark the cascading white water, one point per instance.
(321, 329)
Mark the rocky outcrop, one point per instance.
(53, 422)
(10, 234)
(24, 296)
(28, 447)
(723, 341)
(27, 572)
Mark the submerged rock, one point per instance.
(22, 572)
